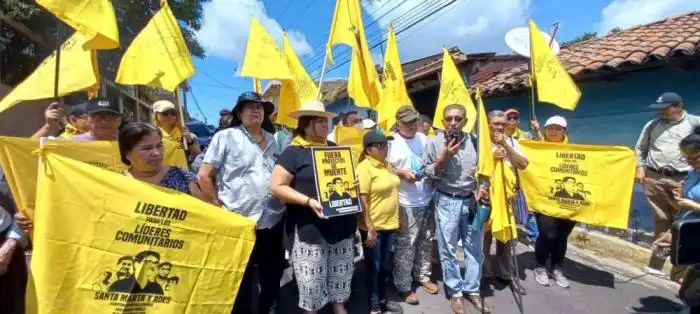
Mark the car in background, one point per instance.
(203, 131)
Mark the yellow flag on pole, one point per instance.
(554, 85)
(158, 56)
(453, 90)
(20, 163)
(394, 93)
(485, 166)
(78, 71)
(591, 184)
(126, 244)
(263, 57)
(351, 136)
(299, 89)
(501, 195)
(347, 28)
(95, 19)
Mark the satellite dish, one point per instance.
(518, 39)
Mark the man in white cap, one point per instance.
(166, 118)
(659, 162)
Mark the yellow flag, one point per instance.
(351, 136)
(485, 165)
(257, 86)
(158, 56)
(20, 163)
(394, 94)
(347, 28)
(453, 90)
(95, 19)
(78, 71)
(125, 244)
(554, 85)
(586, 183)
(301, 88)
(502, 193)
(263, 57)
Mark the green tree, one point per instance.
(584, 37)
(20, 54)
(615, 30)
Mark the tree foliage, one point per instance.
(584, 37)
(615, 30)
(19, 54)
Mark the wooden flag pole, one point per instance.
(58, 60)
(323, 72)
(511, 245)
(178, 99)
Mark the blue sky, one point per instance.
(472, 25)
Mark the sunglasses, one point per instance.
(510, 118)
(169, 113)
(456, 119)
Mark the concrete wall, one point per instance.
(614, 112)
(23, 119)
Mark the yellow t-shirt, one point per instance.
(381, 184)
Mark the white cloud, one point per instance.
(628, 13)
(473, 25)
(226, 24)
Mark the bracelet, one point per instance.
(308, 202)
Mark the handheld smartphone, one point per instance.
(685, 247)
(452, 135)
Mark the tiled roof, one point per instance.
(632, 48)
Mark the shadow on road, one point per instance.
(656, 304)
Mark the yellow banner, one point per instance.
(126, 246)
(263, 58)
(394, 94)
(586, 183)
(300, 89)
(94, 18)
(351, 136)
(335, 178)
(20, 164)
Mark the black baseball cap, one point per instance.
(666, 99)
(100, 104)
(374, 137)
(225, 112)
(248, 97)
(77, 110)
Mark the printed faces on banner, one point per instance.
(586, 183)
(125, 246)
(335, 181)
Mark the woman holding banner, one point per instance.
(554, 232)
(141, 149)
(322, 253)
(379, 194)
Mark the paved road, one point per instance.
(595, 290)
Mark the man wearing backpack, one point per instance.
(661, 168)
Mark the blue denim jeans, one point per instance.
(377, 266)
(453, 223)
(531, 227)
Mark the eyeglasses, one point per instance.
(456, 119)
(169, 113)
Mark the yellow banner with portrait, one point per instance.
(335, 180)
(19, 160)
(586, 183)
(108, 243)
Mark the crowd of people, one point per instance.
(418, 187)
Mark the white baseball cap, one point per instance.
(368, 123)
(556, 120)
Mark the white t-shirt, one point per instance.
(407, 154)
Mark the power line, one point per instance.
(398, 22)
(308, 5)
(321, 47)
(412, 23)
(220, 83)
(196, 103)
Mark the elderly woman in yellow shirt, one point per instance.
(379, 192)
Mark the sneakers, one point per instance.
(559, 278)
(430, 287)
(541, 276)
(410, 297)
(391, 307)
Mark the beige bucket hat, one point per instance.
(312, 108)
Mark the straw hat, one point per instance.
(312, 108)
